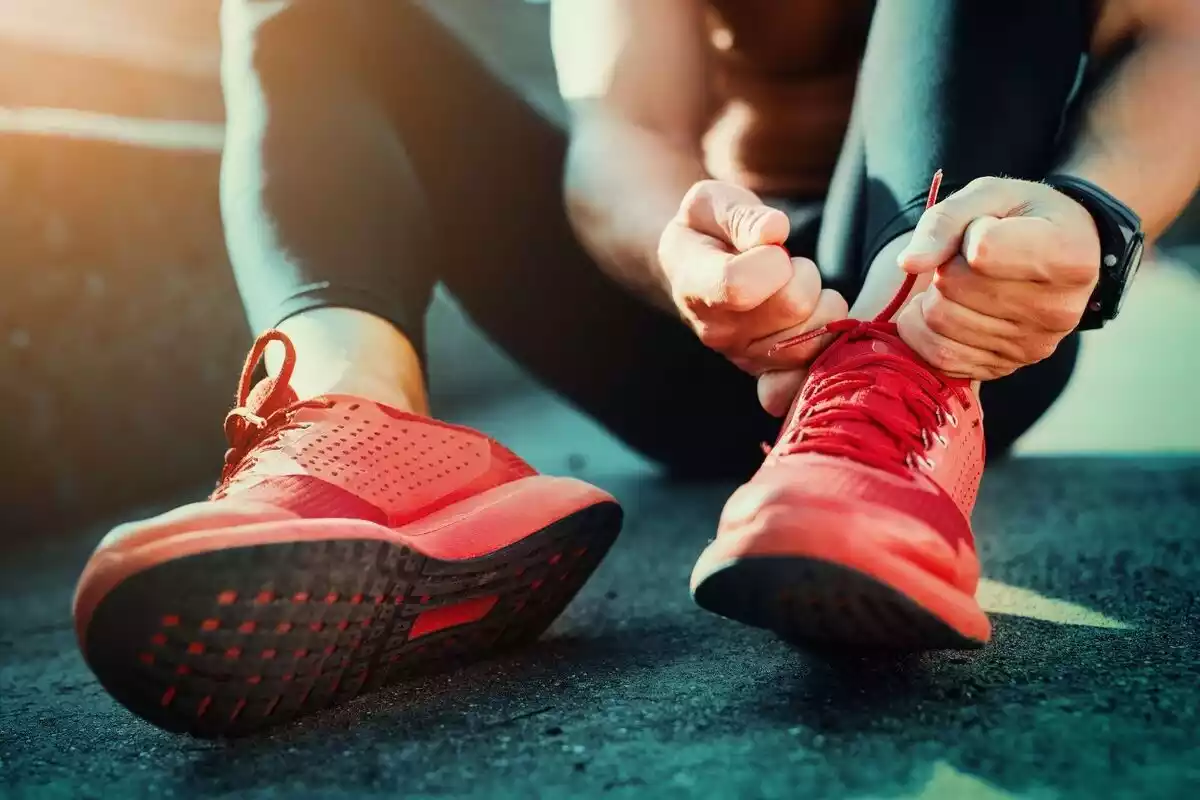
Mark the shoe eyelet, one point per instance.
(921, 462)
(942, 440)
(953, 420)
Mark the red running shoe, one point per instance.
(856, 529)
(347, 545)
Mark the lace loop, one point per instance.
(245, 426)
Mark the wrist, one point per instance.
(1121, 241)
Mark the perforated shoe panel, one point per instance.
(958, 465)
(392, 460)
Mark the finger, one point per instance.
(1030, 249)
(790, 306)
(961, 324)
(830, 307)
(952, 358)
(734, 215)
(707, 274)
(778, 389)
(748, 280)
(1029, 304)
(939, 233)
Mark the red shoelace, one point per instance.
(245, 426)
(907, 412)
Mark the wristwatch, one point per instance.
(1121, 244)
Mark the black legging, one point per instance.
(392, 158)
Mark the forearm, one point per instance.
(1140, 138)
(623, 185)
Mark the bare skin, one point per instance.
(743, 293)
(346, 351)
(637, 72)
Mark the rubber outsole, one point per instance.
(819, 604)
(233, 641)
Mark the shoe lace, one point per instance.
(246, 429)
(917, 407)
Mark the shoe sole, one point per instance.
(822, 577)
(821, 604)
(234, 640)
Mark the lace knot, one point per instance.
(242, 426)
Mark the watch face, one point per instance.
(1132, 261)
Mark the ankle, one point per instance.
(388, 392)
(344, 351)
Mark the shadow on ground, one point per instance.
(636, 692)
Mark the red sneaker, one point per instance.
(348, 544)
(856, 528)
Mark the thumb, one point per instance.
(734, 215)
(934, 241)
(939, 233)
(748, 226)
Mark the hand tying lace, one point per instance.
(252, 424)
(907, 409)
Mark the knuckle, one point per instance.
(983, 252)
(701, 191)
(938, 317)
(732, 294)
(1060, 319)
(990, 373)
(942, 356)
(1078, 272)
(799, 306)
(668, 244)
(715, 337)
(1040, 349)
(697, 199)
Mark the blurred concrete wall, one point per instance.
(120, 330)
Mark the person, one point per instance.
(732, 229)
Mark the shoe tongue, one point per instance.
(261, 401)
(882, 339)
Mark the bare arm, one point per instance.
(1141, 134)
(633, 73)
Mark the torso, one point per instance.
(784, 77)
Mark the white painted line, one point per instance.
(1000, 598)
(949, 783)
(160, 134)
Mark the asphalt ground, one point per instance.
(1090, 689)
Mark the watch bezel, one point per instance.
(1134, 253)
(1121, 238)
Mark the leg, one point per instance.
(421, 545)
(940, 88)
(320, 201)
(839, 538)
(457, 179)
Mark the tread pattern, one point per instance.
(232, 641)
(818, 604)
